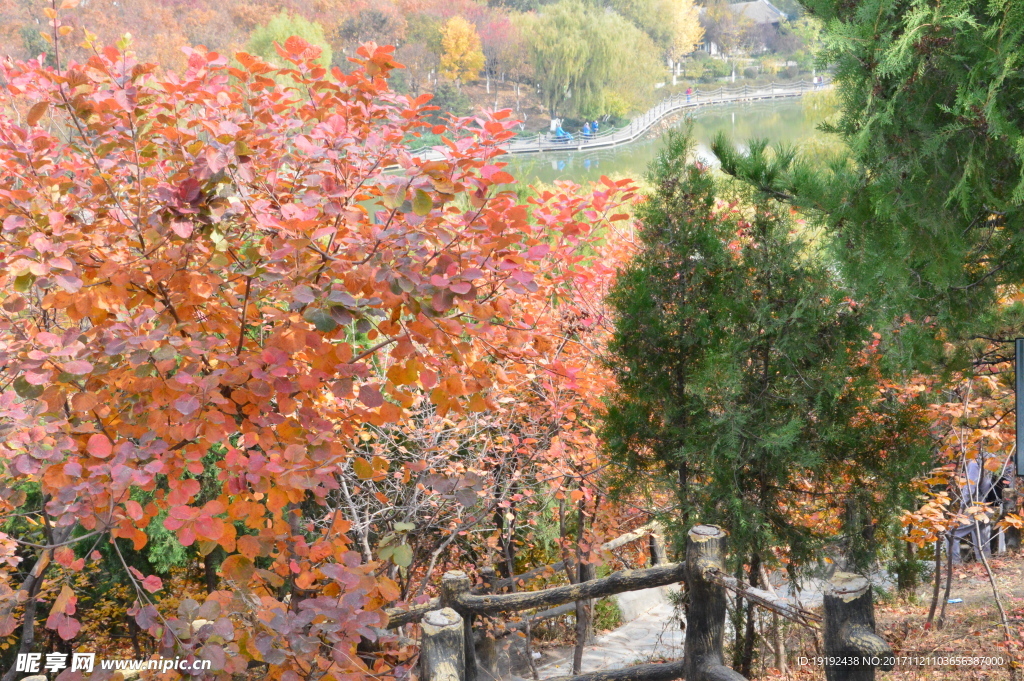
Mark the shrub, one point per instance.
(449, 99)
(283, 26)
(607, 614)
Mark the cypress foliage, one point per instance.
(926, 211)
(742, 373)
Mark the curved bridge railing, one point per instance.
(526, 144)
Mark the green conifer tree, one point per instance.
(927, 209)
(740, 372)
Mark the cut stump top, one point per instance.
(705, 532)
(848, 586)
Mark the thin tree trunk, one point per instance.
(738, 625)
(1007, 634)
(778, 636)
(754, 575)
(949, 584)
(583, 619)
(133, 633)
(529, 652)
(210, 572)
(938, 583)
(31, 586)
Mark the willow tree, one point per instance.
(747, 374)
(673, 25)
(590, 61)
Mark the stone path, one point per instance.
(654, 635)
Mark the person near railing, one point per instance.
(978, 527)
(689, 91)
(594, 128)
(587, 134)
(561, 135)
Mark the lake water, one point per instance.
(786, 122)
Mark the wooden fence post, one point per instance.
(443, 649)
(657, 547)
(453, 584)
(850, 630)
(702, 651)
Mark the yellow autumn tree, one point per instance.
(673, 25)
(461, 54)
(684, 20)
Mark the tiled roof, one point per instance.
(759, 11)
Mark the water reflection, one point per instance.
(783, 122)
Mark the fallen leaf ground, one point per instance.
(970, 629)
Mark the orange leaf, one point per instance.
(277, 499)
(237, 569)
(36, 112)
(248, 546)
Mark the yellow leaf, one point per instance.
(362, 468)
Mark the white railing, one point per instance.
(526, 144)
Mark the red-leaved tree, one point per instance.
(214, 284)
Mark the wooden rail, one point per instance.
(397, 616)
(652, 527)
(451, 655)
(616, 583)
(639, 126)
(777, 604)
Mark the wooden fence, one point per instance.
(448, 652)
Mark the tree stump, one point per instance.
(453, 584)
(850, 631)
(443, 648)
(702, 651)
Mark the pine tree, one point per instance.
(926, 210)
(740, 368)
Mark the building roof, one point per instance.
(759, 11)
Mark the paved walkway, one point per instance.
(639, 126)
(654, 635)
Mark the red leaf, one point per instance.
(370, 395)
(186, 404)
(99, 446)
(182, 228)
(78, 367)
(67, 627)
(133, 509)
